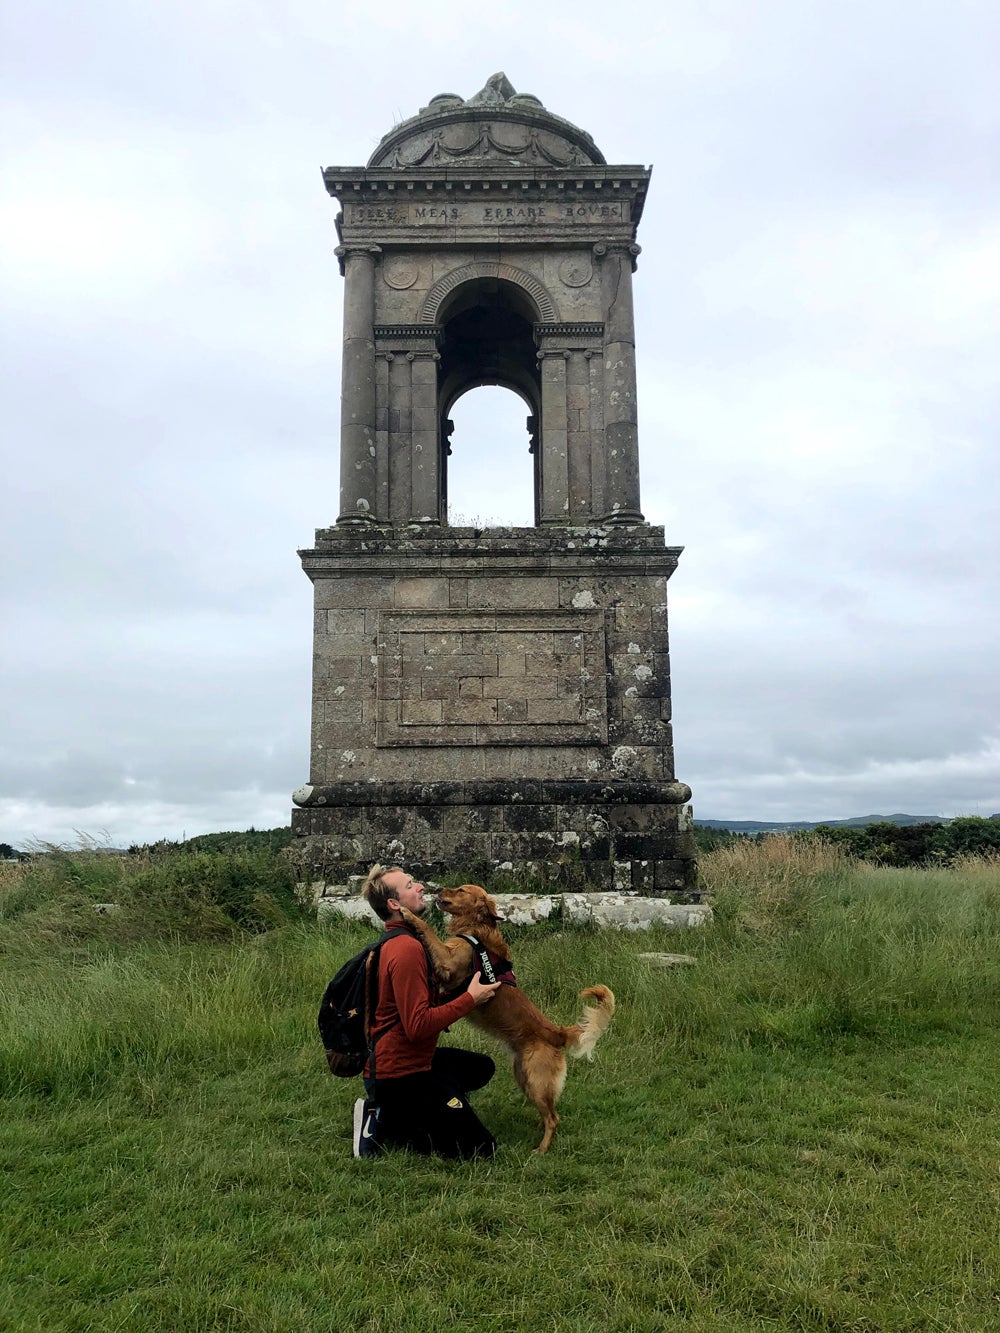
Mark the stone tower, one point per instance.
(499, 698)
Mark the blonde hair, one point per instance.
(377, 894)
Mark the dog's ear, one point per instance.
(495, 911)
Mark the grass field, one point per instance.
(799, 1132)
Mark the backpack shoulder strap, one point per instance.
(371, 997)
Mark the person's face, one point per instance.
(405, 892)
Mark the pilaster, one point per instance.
(358, 453)
(621, 421)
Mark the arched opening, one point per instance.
(490, 474)
(487, 339)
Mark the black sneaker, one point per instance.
(366, 1142)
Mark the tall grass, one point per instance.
(850, 948)
(798, 1132)
(774, 884)
(86, 892)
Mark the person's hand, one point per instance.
(479, 990)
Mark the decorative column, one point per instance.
(621, 423)
(553, 498)
(358, 470)
(425, 478)
(581, 507)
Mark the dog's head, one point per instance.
(470, 903)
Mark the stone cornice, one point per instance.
(584, 536)
(389, 332)
(500, 552)
(570, 330)
(501, 180)
(530, 792)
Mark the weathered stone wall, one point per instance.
(483, 699)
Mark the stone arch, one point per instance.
(471, 272)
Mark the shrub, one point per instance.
(911, 844)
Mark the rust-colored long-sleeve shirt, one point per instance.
(405, 1016)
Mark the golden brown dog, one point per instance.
(537, 1044)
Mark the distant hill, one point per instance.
(791, 826)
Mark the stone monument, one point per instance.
(498, 699)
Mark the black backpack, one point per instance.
(347, 1011)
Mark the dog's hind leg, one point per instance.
(540, 1073)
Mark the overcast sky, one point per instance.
(818, 309)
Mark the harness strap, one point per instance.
(492, 972)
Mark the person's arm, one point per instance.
(407, 968)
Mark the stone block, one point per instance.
(331, 736)
(343, 671)
(420, 712)
(525, 909)
(442, 643)
(642, 877)
(633, 620)
(530, 818)
(671, 873)
(512, 711)
(386, 821)
(467, 852)
(556, 710)
(521, 687)
(340, 709)
(352, 593)
(498, 759)
(468, 819)
(301, 823)
(622, 878)
(511, 664)
(425, 819)
(348, 623)
(668, 959)
(529, 594)
(473, 710)
(433, 686)
(417, 593)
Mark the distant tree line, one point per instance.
(887, 844)
(249, 840)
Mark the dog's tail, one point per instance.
(583, 1037)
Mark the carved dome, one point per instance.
(498, 124)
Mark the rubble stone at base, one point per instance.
(623, 911)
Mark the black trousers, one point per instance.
(430, 1112)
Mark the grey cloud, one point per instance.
(818, 408)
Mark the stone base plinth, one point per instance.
(627, 837)
(625, 911)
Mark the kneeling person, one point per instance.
(417, 1094)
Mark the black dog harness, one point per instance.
(491, 965)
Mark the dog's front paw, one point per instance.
(408, 916)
